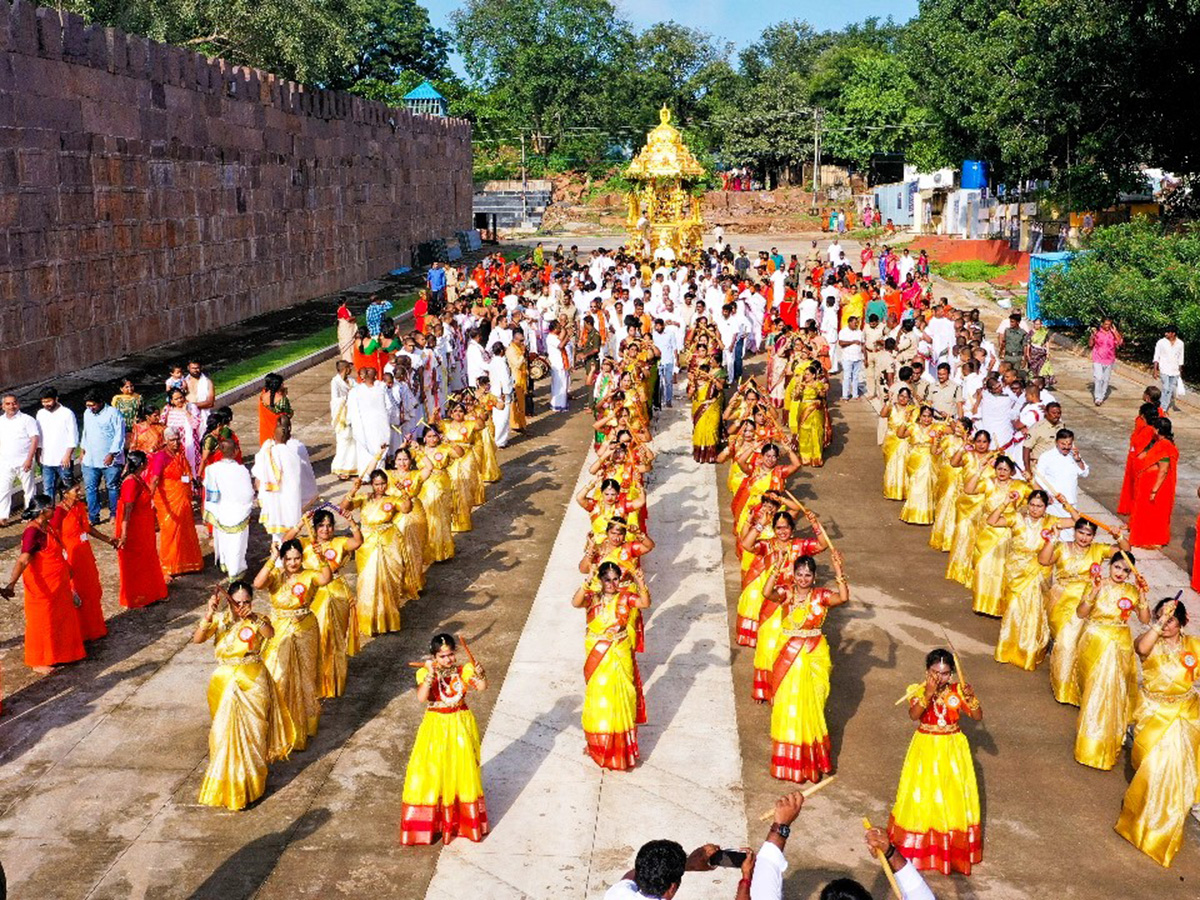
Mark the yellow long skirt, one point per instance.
(250, 730)
(935, 822)
(1166, 754)
(800, 749)
(333, 607)
(436, 496)
(463, 475)
(811, 433)
(706, 431)
(918, 506)
(1024, 629)
(750, 602)
(736, 476)
(989, 559)
(411, 531)
(895, 455)
(770, 638)
(478, 485)
(490, 468)
(293, 657)
(610, 708)
(945, 514)
(443, 787)
(967, 510)
(1107, 681)
(381, 582)
(1066, 643)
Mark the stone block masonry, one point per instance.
(148, 193)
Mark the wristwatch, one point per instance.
(784, 831)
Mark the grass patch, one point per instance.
(970, 270)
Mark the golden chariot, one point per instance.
(664, 218)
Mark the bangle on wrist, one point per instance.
(891, 851)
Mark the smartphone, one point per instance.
(727, 859)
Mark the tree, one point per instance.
(393, 40)
(545, 63)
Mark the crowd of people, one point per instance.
(974, 448)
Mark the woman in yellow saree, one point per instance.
(1075, 566)
(705, 389)
(610, 696)
(935, 823)
(407, 480)
(443, 784)
(799, 687)
(1024, 628)
(898, 413)
(1002, 495)
(949, 451)
(481, 414)
(745, 437)
(382, 583)
(968, 509)
(250, 726)
(810, 416)
(1105, 673)
(464, 469)
(437, 492)
(1166, 738)
(765, 471)
(609, 501)
(918, 468)
(333, 604)
(756, 569)
(293, 655)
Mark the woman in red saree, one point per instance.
(272, 403)
(51, 624)
(70, 523)
(1143, 433)
(171, 479)
(1154, 490)
(142, 580)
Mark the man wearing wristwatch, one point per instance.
(767, 880)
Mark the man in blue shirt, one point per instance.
(375, 313)
(436, 280)
(103, 445)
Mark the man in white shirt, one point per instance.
(807, 310)
(834, 252)
(1059, 470)
(733, 328)
(476, 357)
(668, 347)
(941, 334)
(59, 437)
(18, 451)
(829, 331)
(367, 408)
(228, 503)
(1168, 364)
(278, 476)
(851, 341)
(905, 265)
(500, 384)
(200, 391)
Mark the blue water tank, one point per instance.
(974, 175)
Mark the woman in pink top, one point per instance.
(1104, 343)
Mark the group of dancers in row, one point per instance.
(1053, 584)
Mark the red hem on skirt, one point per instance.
(944, 852)
(801, 762)
(747, 632)
(704, 454)
(614, 751)
(421, 824)
(762, 684)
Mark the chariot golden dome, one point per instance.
(665, 155)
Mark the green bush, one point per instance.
(970, 270)
(1139, 274)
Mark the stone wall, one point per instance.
(148, 193)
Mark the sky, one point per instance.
(740, 21)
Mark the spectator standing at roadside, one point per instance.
(60, 436)
(1168, 366)
(18, 451)
(103, 452)
(436, 280)
(1105, 342)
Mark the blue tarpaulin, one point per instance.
(1039, 265)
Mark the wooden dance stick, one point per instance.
(887, 868)
(467, 650)
(806, 793)
(962, 678)
(804, 511)
(358, 482)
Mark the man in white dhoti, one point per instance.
(308, 478)
(560, 373)
(277, 478)
(228, 505)
(344, 464)
(501, 386)
(368, 408)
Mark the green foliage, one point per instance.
(1142, 276)
(970, 270)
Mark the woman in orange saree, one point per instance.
(51, 624)
(178, 547)
(142, 580)
(1154, 490)
(1143, 433)
(70, 523)
(272, 403)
